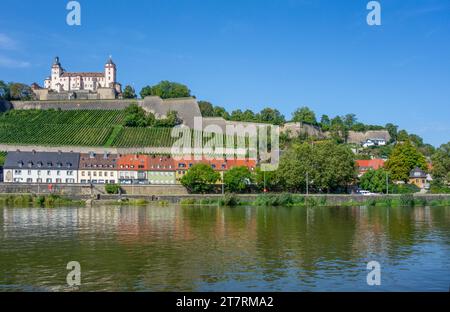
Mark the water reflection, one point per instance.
(210, 248)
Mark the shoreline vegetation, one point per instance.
(228, 200)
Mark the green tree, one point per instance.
(402, 136)
(236, 115)
(325, 123)
(135, 116)
(339, 131)
(206, 108)
(129, 93)
(392, 129)
(237, 179)
(404, 157)
(166, 90)
(200, 178)
(20, 91)
(441, 164)
(269, 178)
(221, 112)
(170, 121)
(374, 181)
(4, 90)
(305, 115)
(330, 167)
(146, 91)
(272, 116)
(350, 120)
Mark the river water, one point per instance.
(225, 249)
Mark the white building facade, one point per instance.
(60, 80)
(41, 167)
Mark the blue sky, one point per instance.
(253, 53)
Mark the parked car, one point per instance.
(366, 193)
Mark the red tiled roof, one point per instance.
(370, 163)
(133, 162)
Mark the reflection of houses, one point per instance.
(41, 167)
(369, 164)
(419, 178)
(98, 168)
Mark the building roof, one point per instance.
(42, 160)
(374, 164)
(417, 173)
(161, 163)
(98, 161)
(133, 162)
(83, 74)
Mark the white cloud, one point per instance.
(11, 63)
(6, 43)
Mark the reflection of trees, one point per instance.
(173, 248)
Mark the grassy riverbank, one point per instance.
(292, 200)
(47, 201)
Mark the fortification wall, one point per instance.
(74, 104)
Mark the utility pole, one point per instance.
(265, 189)
(307, 183)
(387, 183)
(223, 185)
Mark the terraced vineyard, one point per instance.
(84, 128)
(2, 158)
(51, 127)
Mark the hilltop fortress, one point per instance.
(63, 85)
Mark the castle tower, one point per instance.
(57, 71)
(110, 73)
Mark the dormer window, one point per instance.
(20, 164)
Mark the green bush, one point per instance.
(230, 200)
(112, 188)
(407, 200)
(404, 189)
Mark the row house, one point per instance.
(41, 167)
(105, 168)
(98, 169)
(133, 169)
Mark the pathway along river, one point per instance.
(225, 249)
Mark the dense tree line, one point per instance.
(326, 167)
(15, 91)
(137, 117)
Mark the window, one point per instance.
(18, 172)
(48, 180)
(58, 180)
(58, 172)
(29, 180)
(82, 173)
(29, 172)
